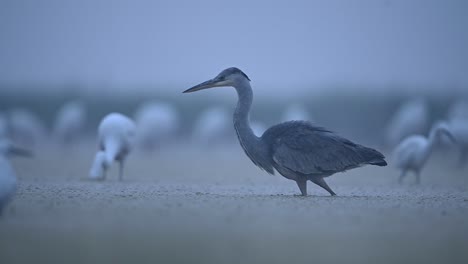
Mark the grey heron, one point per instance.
(116, 135)
(8, 179)
(298, 150)
(413, 152)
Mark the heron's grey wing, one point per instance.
(307, 149)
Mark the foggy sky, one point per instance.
(290, 44)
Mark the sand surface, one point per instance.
(212, 205)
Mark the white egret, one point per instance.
(116, 135)
(413, 152)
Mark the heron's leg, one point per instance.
(121, 168)
(321, 182)
(402, 175)
(302, 184)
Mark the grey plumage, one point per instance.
(298, 150)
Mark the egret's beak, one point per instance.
(208, 84)
(17, 151)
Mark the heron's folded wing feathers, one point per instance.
(304, 148)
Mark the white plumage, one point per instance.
(8, 179)
(413, 152)
(116, 135)
(157, 123)
(412, 118)
(70, 122)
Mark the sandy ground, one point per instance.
(202, 205)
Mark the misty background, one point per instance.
(282, 45)
(340, 59)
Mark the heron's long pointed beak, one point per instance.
(17, 151)
(205, 85)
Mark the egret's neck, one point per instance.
(241, 114)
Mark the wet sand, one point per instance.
(214, 206)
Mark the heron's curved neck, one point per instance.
(252, 145)
(241, 114)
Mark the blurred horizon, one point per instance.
(289, 47)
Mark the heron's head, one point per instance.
(8, 149)
(229, 77)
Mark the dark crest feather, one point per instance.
(234, 70)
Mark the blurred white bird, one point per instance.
(213, 125)
(70, 122)
(295, 112)
(157, 123)
(8, 179)
(412, 118)
(25, 128)
(412, 153)
(116, 135)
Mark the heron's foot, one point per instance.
(300, 195)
